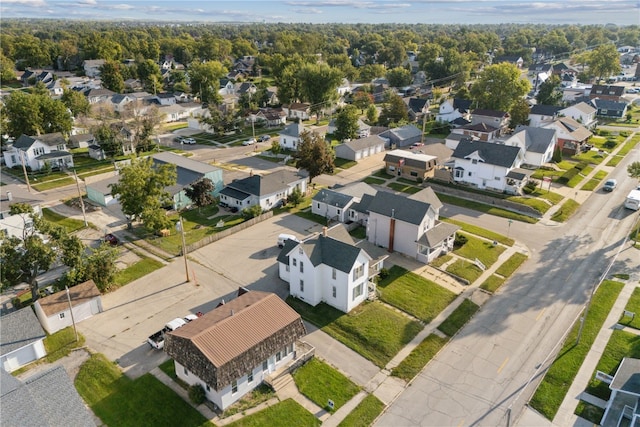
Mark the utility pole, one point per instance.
(24, 169)
(71, 311)
(84, 215)
(180, 227)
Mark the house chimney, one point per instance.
(232, 312)
(324, 231)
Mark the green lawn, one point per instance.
(481, 207)
(511, 265)
(136, 271)
(458, 318)
(589, 412)
(371, 329)
(621, 344)
(255, 397)
(633, 305)
(374, 180)
(363, 414)
(321, 382)
(492, 283)
(482, 232)
(464, 269)
(567, 209)
(414, 294)
(537, 204)
(344, 163)
(51, 184)
(285, 413)
(441, 260)
(382, 174)
(69, 224)
(481, 249)
(120, 401)
(61, 343)
(404, 188)
(419, 357)
(359, 233)
(560, 375)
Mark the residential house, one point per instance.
(269, 117)
(494, 118)
(45, 399)
(99, 191)
(410, 165)
(623, 406)
(272, 95)
(92, 67)
(358, 149)
(96, 152)
(81, 140)
(230, 350)
(607, 93)
(133, 85)
(328, 268)
(538, 73)
(571, 135)
(95, 96)
(409, 226)
(15, 225)
(269, 191)
(54, 313)
(333, 203)
(403, 136)
(188, 172)
(538, 144)
(173, 113)
(452, 140)
(300, 111)
(30, 77)
(513, 59)
(581, 112)
(364, 130)
(344, 88)
(245, 88)
(478, 131)
(418, 108)
(291, 134)
(21, 340)
(120, 102)
(541, 114)
(227, 87)
(609, 109)
(485, 165)
(452, 109)
(38, 151)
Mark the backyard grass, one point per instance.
(560, 375)
(567, 209)
(359, 233)
(260, 394)
(481, 249)
(404, 188)
(321, 382)
(373, 180)
(69, 224)
(464, 269)
(621, 344)
(371, 329)
(511, 265)
(482, 232)
(60, 344)
(493, 283)
(458, 318)
(419, 357)
(633, 305)
(287, 412)
(120, 401)
(414, 294)
(481, 207)
(589, 412)
(135, 271)
(363, 414)
(593, 157)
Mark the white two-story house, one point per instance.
(38, 151)
(291, 134)
(327, 268)
(269, 191)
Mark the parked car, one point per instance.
(417, 144)
(156, 340)
(610, 185)
(264, 138)
(111, 239)
(188, 141)
(234, 209)
(249, 142)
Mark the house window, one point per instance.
(208, 388)
(413, 173)
(474, 161)
(497, 178)
(278, 356)
(392, 168)
(301, 285)
(338, 212)
(61, 315)
(301, 267)
(295, 262)
(250, 377)
(186, 371)
(604, 111)
(318, 205)
(265, 365)
(459, 173)
(469, 174)
(333, 274)
(358, 272)
(333, 292)
(234, 387)
(357, 291)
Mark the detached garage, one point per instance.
(21, 339)
(53, 311)
(100, 191)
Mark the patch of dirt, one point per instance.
(75, 203)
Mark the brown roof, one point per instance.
(79, 294)
(228, 341)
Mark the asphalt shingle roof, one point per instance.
(263, 185)
(435, 235)
(399, 207)
(404, 132)
(545, 110)
(537, 140)
(331, 252)
(19, 329)
(492, 154)
(361, 143)
(332, 198)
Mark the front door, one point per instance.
(272, 364)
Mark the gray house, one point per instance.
(21, 340)
(358, 149)
(403, 136)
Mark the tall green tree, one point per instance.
(24, 258)
(499, 87)
(347, 123)
(519, 113)
(319, 84)
(394, 112)
(7, 68)
(111, 76)
(604, 61)
(150, 76)
(204, 79)
(398, 77)
(76, 102)
(142, 194)
(549, 92)
(314, 155)
(35, 114)
(201, 192)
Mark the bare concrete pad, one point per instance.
(375, 382)
(390, 388)
(479, 297)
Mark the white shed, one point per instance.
(21, 339)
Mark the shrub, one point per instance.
(603, 132)
(557, 155)
(611, 143)
(530, 187)
(460, 241)
(383, 273)
(196, 394)
(252, 212)
(419, 180)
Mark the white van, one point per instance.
(633, 200)
(284, 237)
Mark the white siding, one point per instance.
(22, 356)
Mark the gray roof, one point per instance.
(294, 129)
(104, 185)
(363, 205)
(435, 235)
(81, 137)
(234, 194)
(627, 377)
(332, 198)
(519, 174)
(545, 110)
(537, 140)
(480, 127)
(54, 155)
(19, 329)
(427, 195)
(404, 132)
(331, 252)
(355, 189)
(188, 171)
(492, 154)
(360, 143)
(605, 104)
(50, 139)
(490, 113)
(283, 256)
(44, 399)
(399, 207)
(263, 185)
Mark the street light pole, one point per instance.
(180, 226)
(71, 311)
